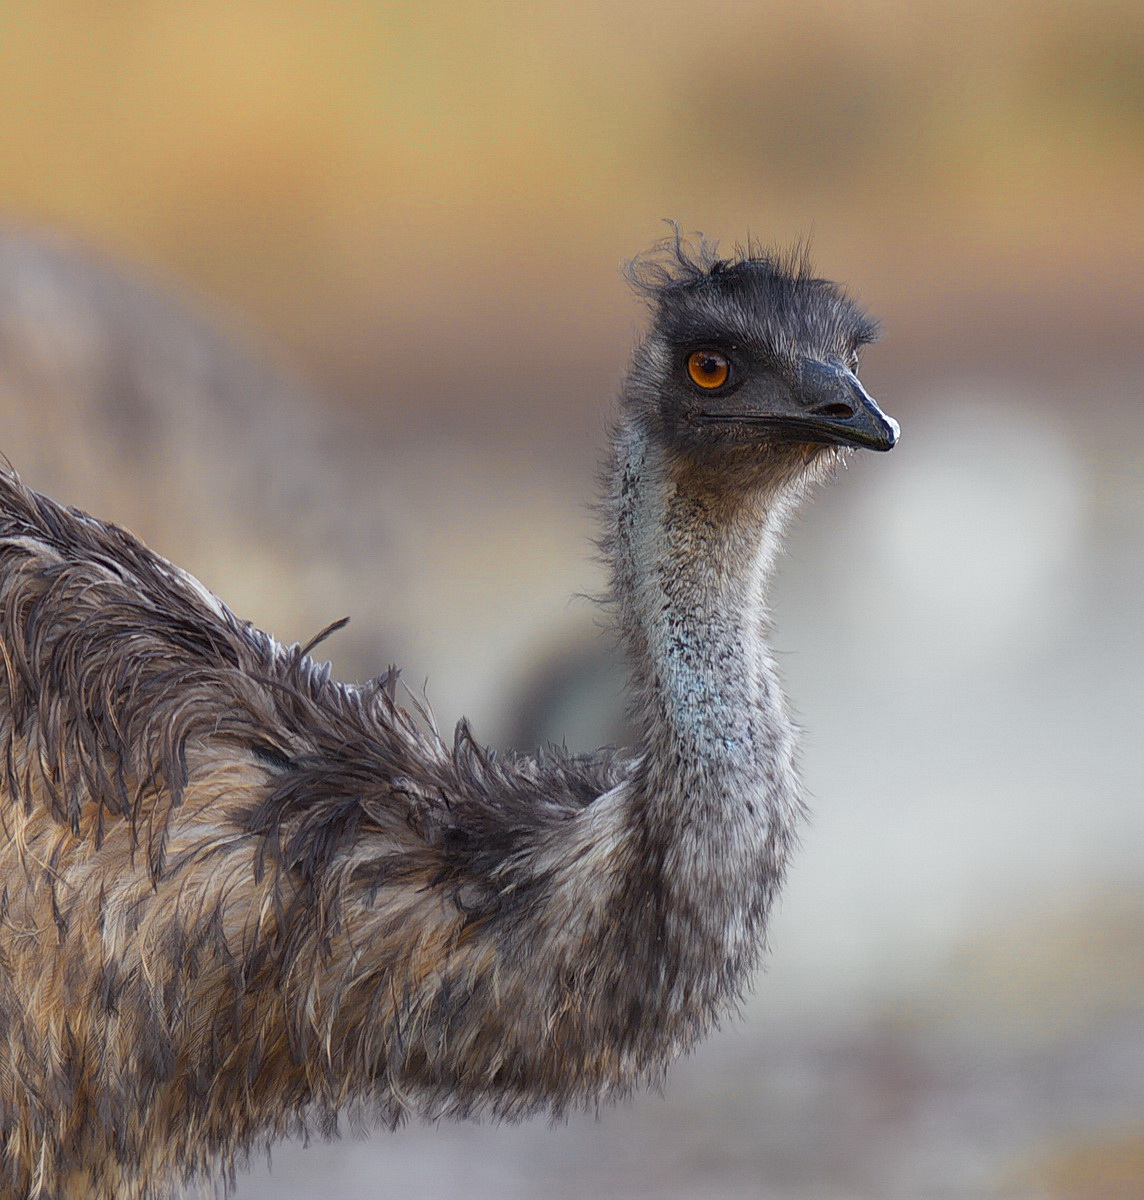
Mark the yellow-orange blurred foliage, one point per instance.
(340, 169)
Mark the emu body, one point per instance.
(239, 897)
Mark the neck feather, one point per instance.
(716, 786)
(692, 558)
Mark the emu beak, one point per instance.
(832, 406)
(828, 406)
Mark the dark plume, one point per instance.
(768, 280)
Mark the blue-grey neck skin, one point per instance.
(716, 780)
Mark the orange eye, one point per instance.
(708, 368)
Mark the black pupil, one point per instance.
(710, 364)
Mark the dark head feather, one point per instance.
(677, 276)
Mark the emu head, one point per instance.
(751, 359)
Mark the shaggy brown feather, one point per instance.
(239, 898)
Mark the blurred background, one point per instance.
(323, 300)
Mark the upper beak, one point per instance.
(835, 405)
(828, 406)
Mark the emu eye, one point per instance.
(708, 368)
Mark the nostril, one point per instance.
(842, 411)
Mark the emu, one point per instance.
(238, 898)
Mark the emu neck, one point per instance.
(714, 796)
(693, 555)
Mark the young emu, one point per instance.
(238, 897)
